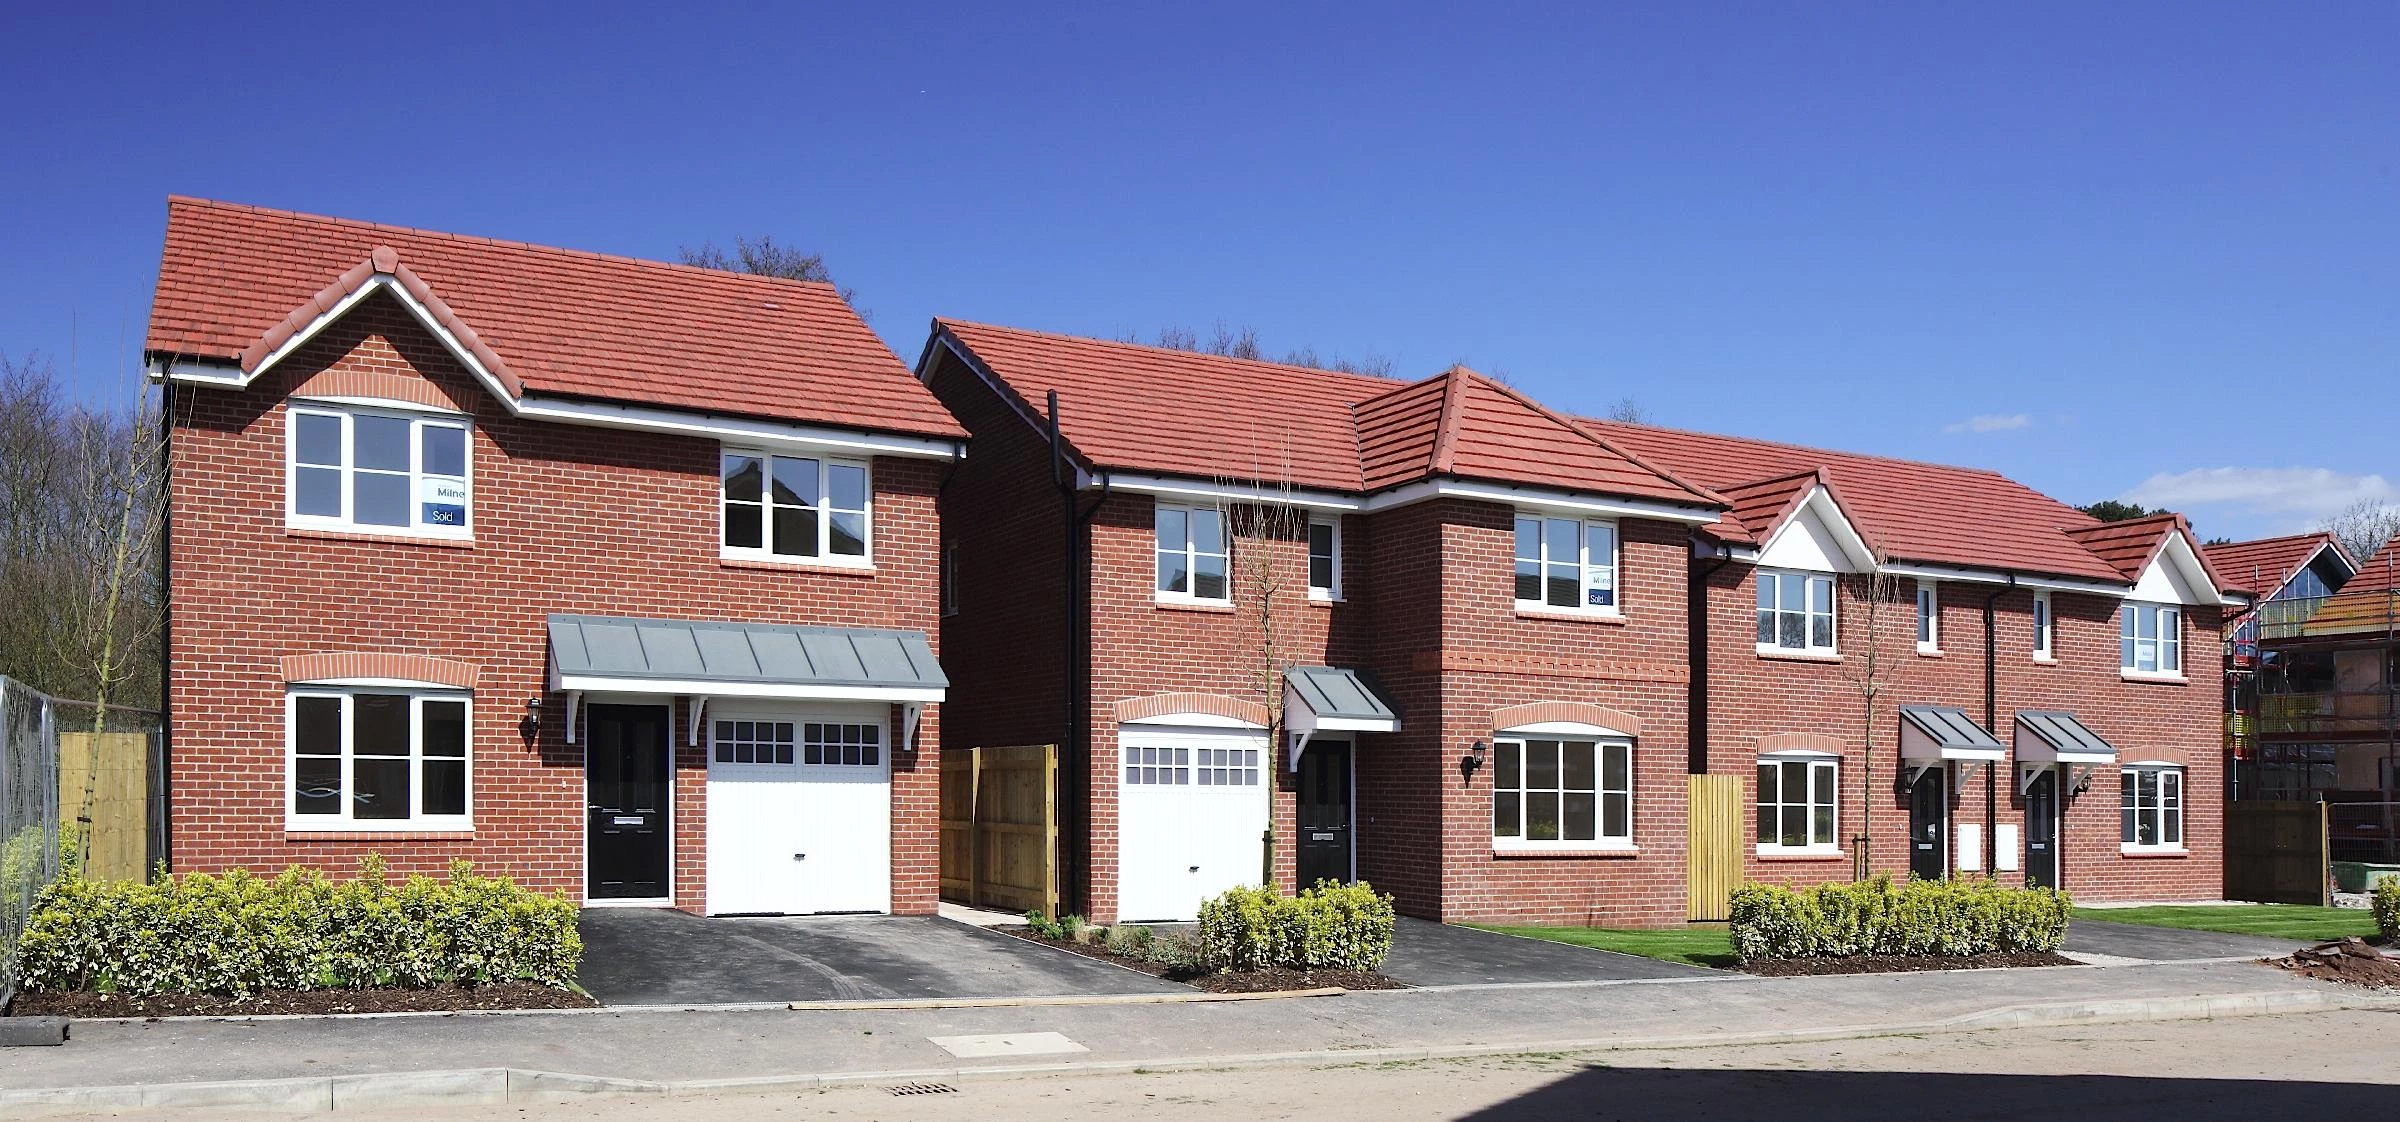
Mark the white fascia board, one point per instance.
(383, 282)
(590, 683)
(1967, 575)
(1540, 497)
(738, 430)
(1261, 494)
(198, 373)
(1829, 514)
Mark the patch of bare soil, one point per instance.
(1248, 981)
(509, 995)
(2352, 961)
(1896, 963)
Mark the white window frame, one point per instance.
(1929, 617)
(418, 421)
(2166, 809)
(823, 505)
(2164, 644)
(1595, 575)
(1601, 792)
(2045, 627)
(1331, 591)
(1812, 762)
(1832, 612)
(347, 822)
(1191, 554)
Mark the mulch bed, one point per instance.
(1247, 981)
(2351, 961)
(510, 995)
(1897, 964)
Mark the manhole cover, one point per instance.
(905, 1089)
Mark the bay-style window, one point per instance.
(2151, 815)
(1795, 612)
(794, 508)
(2150, 639)
(1324, 559)
(378, 471)
(1561, 793)
(1796, 802)
(1192, 555)
(377, 759)
(1566, 564)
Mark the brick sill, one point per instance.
(377, 835)
(1781, 655)
(2040, 661)
(1613, 618)
(1924, 653)
(389, 539)
(1612, 851)
(2152, 852)
(1184, 606)
(795, 567)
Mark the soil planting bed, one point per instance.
(1897, 964)
(2353, 961)
(1249, 981)
(512, 995)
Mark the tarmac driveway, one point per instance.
(1425, 953)
(656, 956)
(2167, 944)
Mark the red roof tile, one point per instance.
(2379, 573)
(2262, 566)
(562, 322)
(1462, 424)
(2130, 545)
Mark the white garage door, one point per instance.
(1189, 815)
(799, 811)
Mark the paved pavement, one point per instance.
(2166, 944)
(657, 956)
(1425, 953)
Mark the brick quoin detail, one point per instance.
(1547, 712)
(1174, 704)
(363, 664)
(1800, 742)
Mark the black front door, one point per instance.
(625, 786)
(1928, 825)
(1324, 813)
(2041, 829)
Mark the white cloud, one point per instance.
(2293, 496)
(1991, 422)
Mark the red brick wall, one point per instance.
(1751, 696)
(567, 519)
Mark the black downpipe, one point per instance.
(1991, 724)
(1696, 656)
(1075, 749)
(166, 622)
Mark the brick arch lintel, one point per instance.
(2154, 755)
(1800, 742)
(331, 666)
(1209, 704)
(1566, 712)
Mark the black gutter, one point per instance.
(1696, 657)
(1075, 749)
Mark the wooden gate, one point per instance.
(2275, 853)
(104, 801)
(1715, 840)
(1000, 827)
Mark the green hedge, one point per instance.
(1329, 927)
(1875, 917)
(237, 933)
(2387, 909)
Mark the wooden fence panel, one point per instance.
(2275, 852)
(1716, 845)
(106, 779)
(1000, 827)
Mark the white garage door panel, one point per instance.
(791, 837)
(1191, 806)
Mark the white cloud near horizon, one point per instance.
(1991, 422)
(2292, 496)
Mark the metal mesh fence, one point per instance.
(28, 815)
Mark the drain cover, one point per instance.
(905, 1089)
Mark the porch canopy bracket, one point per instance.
(711, 661)
(1332, 699)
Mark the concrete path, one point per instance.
(682, 1047)
(1425, 953)
(655, 956)
(2140, 943)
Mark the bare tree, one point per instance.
(2364, 526)
(1628, 411)
(762, 257)
(1872, 661)
(1260, 534)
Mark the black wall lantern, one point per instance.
(530, 725)
(1469, 763)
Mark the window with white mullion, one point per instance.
(2151, 807)
(1566, 564)
(380, 471)
(1795, 612)
(1324, 559)
(2150, 638)
(1564, 793)
(1192, 554)
(1929, 617)
(2042, 625)
(794, 507)
(1797, 798)
(377, 759)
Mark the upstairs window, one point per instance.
(794, 508)
(379, 472)
(2041, 626)
(1566, 564)
(2150, 639)
(1192, 555)
(1795, 612)
(1929, 617)
(1324, 559)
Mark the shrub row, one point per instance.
(1329, 927)
(236, 934)
(1876, 917)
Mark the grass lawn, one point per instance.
(2280, 921)
(1692, 946)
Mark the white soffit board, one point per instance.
(1809, 541)
(2175, 577)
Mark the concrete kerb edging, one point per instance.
(1169, 998)
(488, 1086)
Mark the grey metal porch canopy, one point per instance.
(2049, 736)
(1332, 699)
(1945, 733)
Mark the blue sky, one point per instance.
(2111, 250)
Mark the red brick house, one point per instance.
(1496, 641)
(617, 576)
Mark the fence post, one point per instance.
(975, 826)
